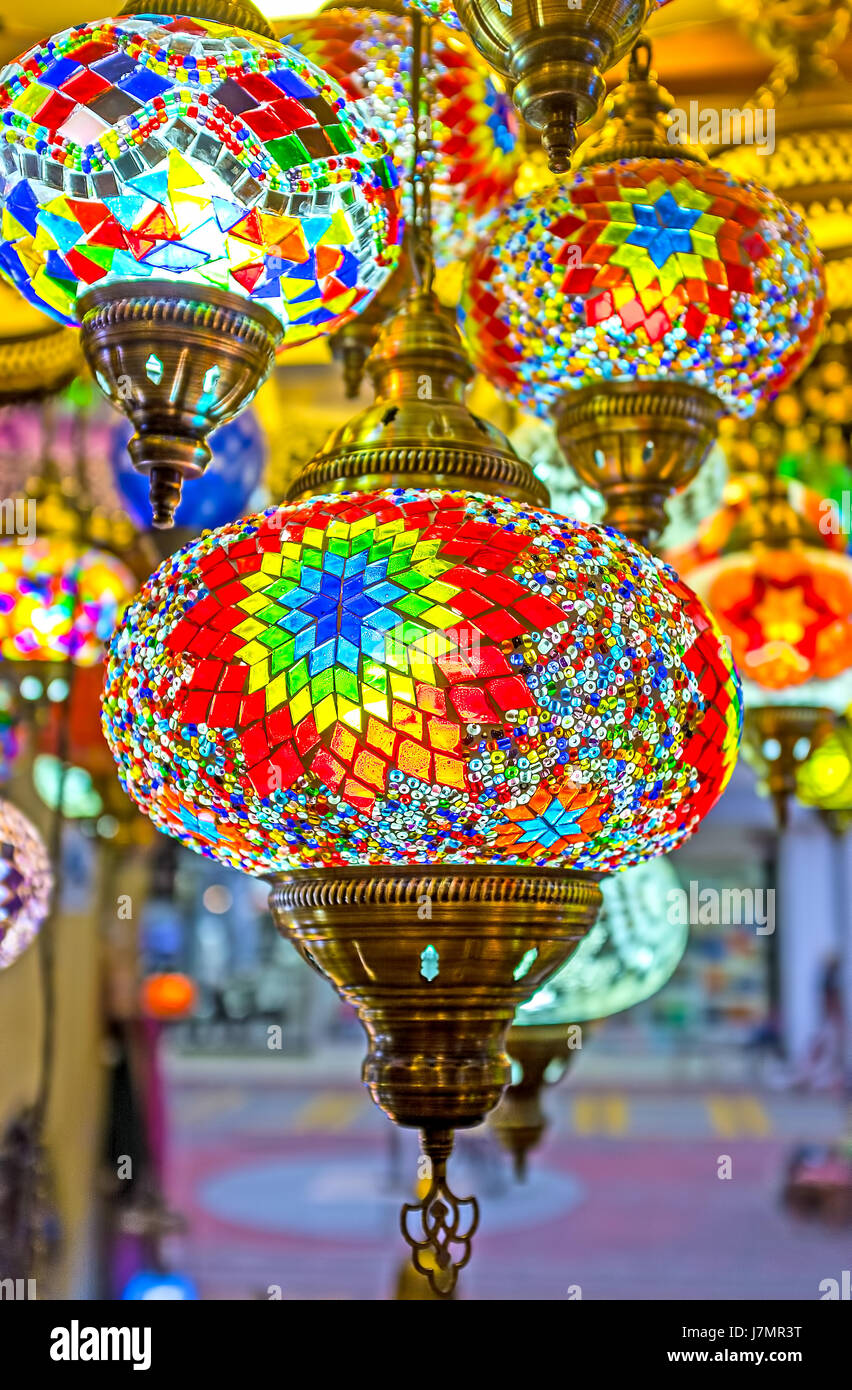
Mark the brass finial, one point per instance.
(444, 1224)
(639, 121)
(419, 432)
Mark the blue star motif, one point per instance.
(555, 823)
(663, 229)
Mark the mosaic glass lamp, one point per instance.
(432, 718)
(61, 594)
(670, 293)
(25, 883)
(783, 599)
(552, 55)
(631, 952)
(194, 195)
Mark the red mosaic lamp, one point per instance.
(640, 299)
(783, 599)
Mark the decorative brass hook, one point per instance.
(441, 1220)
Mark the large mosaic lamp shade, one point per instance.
(25, 883)
(552, 54)
(640, 299)
(630, 953)
(194, 195)
(433, 714)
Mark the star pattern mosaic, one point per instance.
(25, 883)
(476, 146)
(178, 149)
(648, 269)
(786, 613)
(59, 601)
(416, 677)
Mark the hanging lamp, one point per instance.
(630, 953)
(638, 300)
(783, 599)
(25, 883)
(432, 718)
(194, 195)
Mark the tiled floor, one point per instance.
(297, 1187)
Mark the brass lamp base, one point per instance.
(771, 736)
(637, 442)
(177, 362)
(520, 1120)
(554, 55)
(436, 963)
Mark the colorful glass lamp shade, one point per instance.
(194, 195)
(553, 55)
(410, 678)
(638, 300)
(25, 883)
(784, 603)
(59, 600)
(629, 954)
(238, 452)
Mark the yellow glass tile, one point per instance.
(272, 562)
(313, 537)
(338, 529)
(388, 529)
(256, 581)
(253, 603)
(421, 667)
(248, 629)
(258, 676)
(349, 713)
(438, 592)
(325, 712)
(374, 702)
(253, 651)
(290, 549)
(365, 524)
(404, 541)
(439, 617)
(276, 692)
(402, 688)
(300, 705)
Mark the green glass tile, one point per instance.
(322, 685)
(346, 683)
(272, 613)
(273, 638)
(413, 605)
(282, 657)
(288, 152)
(298, 677)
